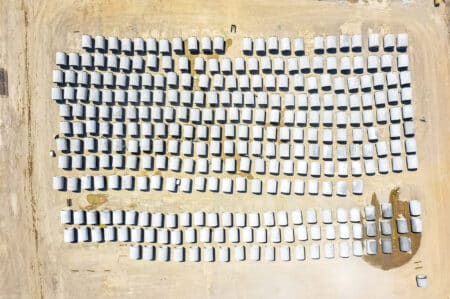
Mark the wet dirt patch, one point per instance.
(396, 258)
(228, 43)
(95, 200)
(3, 82)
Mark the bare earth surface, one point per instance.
(34, 261)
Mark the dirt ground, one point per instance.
(35, 263)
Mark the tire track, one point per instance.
(29, 170)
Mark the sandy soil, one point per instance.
(36, 264)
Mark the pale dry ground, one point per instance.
(35, 262)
